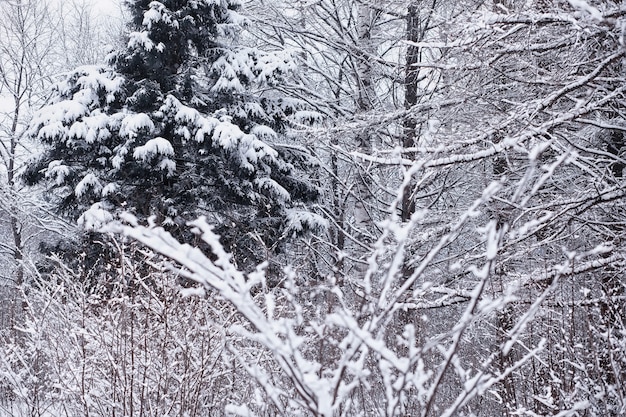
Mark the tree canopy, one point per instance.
(183, 123)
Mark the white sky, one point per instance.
(106, 7)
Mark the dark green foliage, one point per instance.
(176, 129)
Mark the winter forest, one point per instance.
(313, 208)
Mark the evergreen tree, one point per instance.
(177, 127)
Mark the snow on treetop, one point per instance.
(168, 165)
(80, 130)
(155, 14)
(205, 127)
(227, 135)
(153, 147)
(51, 131)
(89, 182)
(246, 65)
(306, 117)
(200, 125)
(223, 132)
(120, 152)
(228, 77)
(95, 217)
(98, 77)
(66, 111)
(299, 221)
(86, 82)
(184, 114)
(110, 188)
(141, 40)
(75, 98)
(57, 171)
(275, 189)
(251, 109)
(250, 149)
(263, 132)
(134, 123)
(91, 128)
(270, 65)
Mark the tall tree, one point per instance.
(26, 52)
(185, 123)
(28, 61)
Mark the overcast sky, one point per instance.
(106, 7)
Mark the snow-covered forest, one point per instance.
(313, 208)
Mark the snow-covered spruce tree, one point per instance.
(184, 123)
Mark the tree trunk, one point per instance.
(411, 74)
(365, 103)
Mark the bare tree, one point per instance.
(26, 60)
(34, 51)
